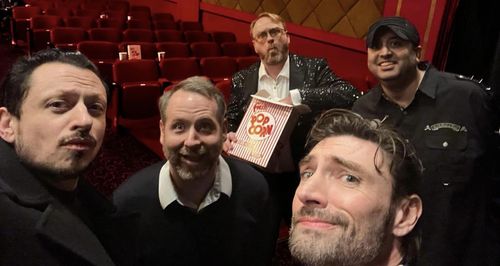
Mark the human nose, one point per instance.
(82, 118)
(385, 51)
(192, 138)
(311, 191)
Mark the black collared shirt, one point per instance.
(449, 123)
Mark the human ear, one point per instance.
(407, 214)
(418, 53)
(161, 131)
(7, 121)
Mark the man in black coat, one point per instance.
(52, 122)
(291, 79)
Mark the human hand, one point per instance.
(230, 140)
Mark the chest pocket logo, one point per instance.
(446, 136)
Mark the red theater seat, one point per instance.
(67, 38)
(223, 36)
(177, 69)
(169, 36)
(236, 49)
(205, 49)
(173, 49)
(218, 68)
(138, 35)
(136, 93)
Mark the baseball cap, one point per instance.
(403, 28)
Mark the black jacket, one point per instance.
(319, 88)
(37, 229)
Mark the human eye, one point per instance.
(306, 174)
(350, 179)
(262, 35)
(274, 32)
(58, 106)
(395, 43)
(178, 126)
(97, 109)
(206, 127)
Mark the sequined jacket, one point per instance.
(319, 88)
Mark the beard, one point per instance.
(50, 170)
(276, 54)
(346, 245)
(207, 156)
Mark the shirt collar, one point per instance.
(222, 184)
(285, 71)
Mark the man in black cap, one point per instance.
(448, 119)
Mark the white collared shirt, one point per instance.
(278, 88)
(222, 184)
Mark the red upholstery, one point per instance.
(138, 24)
(67, 38)
(169, 36)
(105, 34)
(109, 22)
(246, 61)
(190, 25)
(119, 5)
(225, 87)
(137, 92)
(93, 13)
(164, 25)
(218, 68)
(103, 54)
(173, 49)
(197, 36)
(148, 49)
(223, 36)
(177, 69)
(20, 23)
(236, 49)
(62, 12)
(138, 35)
(81, 22)
(39, 37)
(162, 16)
(205, 49)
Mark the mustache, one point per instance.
(321, 214)
(184, 151)
(79, 138)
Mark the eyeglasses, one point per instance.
(274, 32)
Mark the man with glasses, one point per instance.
(288, 78)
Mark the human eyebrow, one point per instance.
(350, 165)
(307, 159)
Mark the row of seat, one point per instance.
(173, 68)
(137, 85)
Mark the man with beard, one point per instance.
(448, 119)
(52, 122)
(357, 202)
(289, 78)
(197, 208)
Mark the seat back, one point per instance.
(145, 70)
(197, 36)
(190, 26)
(177, 69)
(81, 22)
(148, 49)
(138, 35)
(223, 36)
(224, 86)
(99, 50)
(218, 68)
(45, 22)
(162, 16)
(236, 49)
(138, 24)
(205, 49)
(173, 49)
(245, 62)
(67, 38)
(105, 34)
(169, 36)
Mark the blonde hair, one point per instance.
(273, 17)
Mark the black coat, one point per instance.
(319, 88)
(37, 229)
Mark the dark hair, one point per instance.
(404, 165)
(196, 84)
(17, 82)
